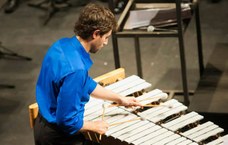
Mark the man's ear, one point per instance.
(96, 33)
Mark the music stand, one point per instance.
(6, 53)
(50, 6)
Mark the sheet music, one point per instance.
(155, 16)
(140, 18)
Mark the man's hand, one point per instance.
(100, 127)
(129, 102)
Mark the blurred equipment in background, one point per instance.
(6, 53)
(50, 6)
(11, 6)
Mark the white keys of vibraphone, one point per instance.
(146, 98)
(120, 118)
(203, 131)
(184, 123)
(123, 82)
(152, 99)
(135, 89)
(137, 131)
(114, 129)
(156, 111)
(154, 140)
(152, 110)
(129, 127)
(196, 129)
(168, 139)
(163, 112)
(186, 142)
(92, 102)
(176, 141)
(97, 110)
(216, 142)
(174, 124)
(149, 131)
(175, 110)
(93, 109)
(208, 134)
(152, 96)
(129, 85)
(116, 114)
(193, 143)
(149, 95)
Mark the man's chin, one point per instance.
(93, 51)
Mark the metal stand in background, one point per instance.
(120, 33)
(6, 53)
(50, 6)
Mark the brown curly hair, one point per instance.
(94, 17)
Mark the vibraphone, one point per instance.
(168, 122)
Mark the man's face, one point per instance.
(99, 41)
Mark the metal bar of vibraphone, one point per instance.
(184, 123)
(153, 110)
(149, 129)
(203, 131)
(136, 132)
(186, 142)
(208, 134)
(129, 127)
(148, 139)
(123, 82)
(179, 140)
(155, 98)
(129, 133)
(168, 139)
(180, 119)
(130, 85)
(149, 94)
(198, 128)
(135, 89)
(168, 113)
(158, 138)
(216, 142)
(118, 115)
(130, 140)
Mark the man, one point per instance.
(64, 86)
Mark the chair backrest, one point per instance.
(33, 112)
(104, 80)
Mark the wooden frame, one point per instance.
(104, 80)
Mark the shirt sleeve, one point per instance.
(74, 93)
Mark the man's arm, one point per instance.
(105, 94)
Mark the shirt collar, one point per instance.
(85, 56)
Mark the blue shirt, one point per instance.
(64, 86)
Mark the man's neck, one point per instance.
(84, 43)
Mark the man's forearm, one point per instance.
(102, 93)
